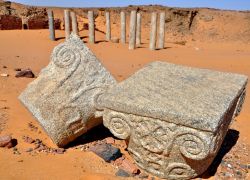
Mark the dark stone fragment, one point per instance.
(122, 173)
(18, 69)
(106, 152)
(25, 73)
(59, 151)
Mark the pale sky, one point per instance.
(220, 4)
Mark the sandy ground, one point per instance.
(32, 49)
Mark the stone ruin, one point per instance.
(63, 97)
(175, 118)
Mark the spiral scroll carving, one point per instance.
(65, 55)
(193, 146)
(179, 171)
(117, 124)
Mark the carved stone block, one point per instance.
(63, 97)
(174, 117)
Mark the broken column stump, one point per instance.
(132, 31)
(74, 22)
(62, 98)
(174, 117)
(123, 27)
(108, 26)
(161, 36)
(153, 31)
(67, 23)
(91, 27)
(51, 25)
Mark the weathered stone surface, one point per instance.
(174, 117)
(10, 22)
(63, 97)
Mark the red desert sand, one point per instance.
(32, 48)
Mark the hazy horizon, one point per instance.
(222, 4)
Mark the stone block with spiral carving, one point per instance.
(63, 96)
(174, 117)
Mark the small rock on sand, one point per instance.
(7, 141)
(128, 166)
(110, 140)
(25, 73)
(122, 173)
(4, 75)
(18, 69)
(106, 151)
(28, 139)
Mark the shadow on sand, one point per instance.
(97, 133)
(230, 140)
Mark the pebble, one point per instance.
(4, 140)
(59, 150)
(28, 139)
(29, 150)
(238, 173)
(230, 166)
(4, 75)
(25, 73)
(128, 166)
(7, 141)
(18, 69)
(106, 151)
(110, 140)
(118, 162)
(122, 173)
(15, 151)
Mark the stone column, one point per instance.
(161, 37)
(108, 27)
(91, 27)
(132, 31)
(51, 25)
(123, 27)
(138, 29)
(74, 22)
(67, 23)
(153, 31)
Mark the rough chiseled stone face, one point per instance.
(175, 117)
(63, 97)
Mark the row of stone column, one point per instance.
(134, 29)
(69, 16)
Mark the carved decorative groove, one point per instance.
(154, 143)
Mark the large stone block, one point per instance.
(62, 98)
(174, 117)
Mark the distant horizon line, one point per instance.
(93, 7)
